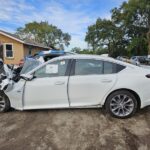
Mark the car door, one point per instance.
(49, 87)
(90, 81)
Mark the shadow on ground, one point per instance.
(73, 129)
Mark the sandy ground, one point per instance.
(86, 129)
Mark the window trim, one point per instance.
(69, 67)
(4, 47)
(72, 69)
(74, 65)
(114, 69)
(66, 72)
(72, 72)
(115, 66)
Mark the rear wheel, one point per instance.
(4, 102)
(121, 104)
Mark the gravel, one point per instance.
(73, 129)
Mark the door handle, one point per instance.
(59, 83)
(106, 80)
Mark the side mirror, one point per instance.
(27, 77)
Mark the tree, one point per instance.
(44, 33)
(91, 36)
(127, 33)
(76, 50)
(134, 17)
(104, 35)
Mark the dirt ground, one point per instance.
(86, 129)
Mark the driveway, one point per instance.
(86, 129)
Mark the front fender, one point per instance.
(15, 94)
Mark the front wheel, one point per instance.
(4, 102)
(121, 104)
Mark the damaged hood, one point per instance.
(6, 74)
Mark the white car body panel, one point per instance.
(46, 93)
(90, 89)
(80, 91)
(136, 82)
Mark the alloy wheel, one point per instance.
(121, 105)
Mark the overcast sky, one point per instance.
(72, 16)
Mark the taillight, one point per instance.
(148, 75)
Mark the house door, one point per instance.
(1, 51)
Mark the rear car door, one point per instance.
(49, 88)
(90, 81)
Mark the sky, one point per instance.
(71, 16)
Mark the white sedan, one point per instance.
(80, 81)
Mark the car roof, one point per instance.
(87, 56)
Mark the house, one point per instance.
(13, 49)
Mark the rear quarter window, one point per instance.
(110, 68)
(119, 68)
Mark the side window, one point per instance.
(110, 68)
(88, 67)
(119, 68)
(54, 69)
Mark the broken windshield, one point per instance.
(29, 65)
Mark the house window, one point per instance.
(9, 50)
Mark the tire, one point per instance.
(4, 102)
(121, 104)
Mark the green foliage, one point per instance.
(106, 36)
(88, 51)
(44, 33)
(76, 50)
(127, 33)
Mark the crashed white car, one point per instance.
(80, 81)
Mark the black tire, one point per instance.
(111, 104)
(6, 102)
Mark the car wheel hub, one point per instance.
(121, 105)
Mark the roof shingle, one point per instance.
(26, 42)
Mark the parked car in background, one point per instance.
(148, 61)
(140, 59)
(123, 58)
(80, 81)
(134, 60)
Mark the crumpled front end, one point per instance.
(15, 93)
